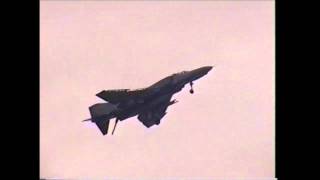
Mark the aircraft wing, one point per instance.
(153, 116)
(121, 95)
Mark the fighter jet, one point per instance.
(150, 103)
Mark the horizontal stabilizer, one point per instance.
(103, 125)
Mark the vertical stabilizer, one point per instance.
(100, 115)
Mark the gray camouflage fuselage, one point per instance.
(148, 103)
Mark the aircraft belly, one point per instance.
(126, 115)
(159, 100)
(136, 108)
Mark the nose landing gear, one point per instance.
(191, 90)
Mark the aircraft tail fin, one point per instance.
(100, 115)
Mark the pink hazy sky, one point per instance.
(224, 130)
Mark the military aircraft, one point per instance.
(150, 103)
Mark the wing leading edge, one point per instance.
(120, 95)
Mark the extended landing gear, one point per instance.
(191, 90)
(115, 124)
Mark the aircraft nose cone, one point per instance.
(207, 68)
(198, 73)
